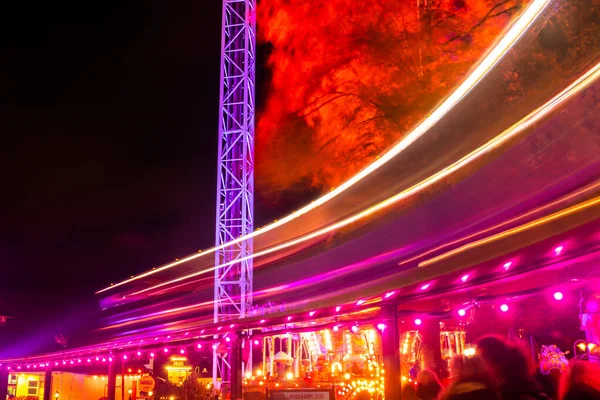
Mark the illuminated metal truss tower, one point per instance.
(235, 179)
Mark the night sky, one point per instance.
(109, 134)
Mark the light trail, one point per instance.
(495, 227)
(513, 231)
(519, 27)
(579, 84)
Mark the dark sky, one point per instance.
(108, 120)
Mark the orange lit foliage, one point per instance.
(349, 78)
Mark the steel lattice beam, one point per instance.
(235, 181)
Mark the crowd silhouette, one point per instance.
(502, 370)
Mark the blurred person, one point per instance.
(409, 392)
(581, 381)
(428, 385)
(471, 380)
(511, 368)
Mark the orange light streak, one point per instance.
(500, 225)
(582, 82)
(520, 26)
(513, 231)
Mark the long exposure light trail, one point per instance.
(513, 231)
(514, 33)
(579, 84)
(504, 223)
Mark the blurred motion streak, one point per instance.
(582, 82)
(514, 33)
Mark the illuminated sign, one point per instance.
(301, 394)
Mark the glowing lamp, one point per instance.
(338, 308)
(139, 353)
(109, 359)
(558, 250)
(347, 376)
(130, 391)
(125, 357)
(231, 326)
(360, 302)
(389, 294)
(558, 296)
(381, 327)
(150, 393)
(462, 312)
(199, 346)
(56, 395)
(310, 314)
(214, 346)
(336, 328)
(227, 339)
(418, 321)
(182, 351)
(354, 328)
(262, 321)
(504, 307)
(425, 286)
(248, 375)
(507, 265)
(464, 278)
(166, 350)
(151, 355)
(289, 376)
(89, 360)
(256, 342)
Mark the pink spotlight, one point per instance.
(312, 313)
(289, 318)
(182, 351)
(425, 286)
(504, 307)
(507, 265)
(214, 346)
(227, 339)
(464, 278)
(558, 250)
(336, 328)
(166, 350)
(231, 326)
(360, 302)
(139, 353)
(354, 328)
(151, 355)
(462, 312)
(338, 308)
(389, 294)
(199, 346)
(558, 296)
(256, 342)
(381, 327)
(262, 321)
(125, 357)
(418, 321)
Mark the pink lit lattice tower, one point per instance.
(235, 180)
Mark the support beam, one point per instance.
(111, 381)
(3, 382)
(390, 340)
(236, 368)
(48, 395)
